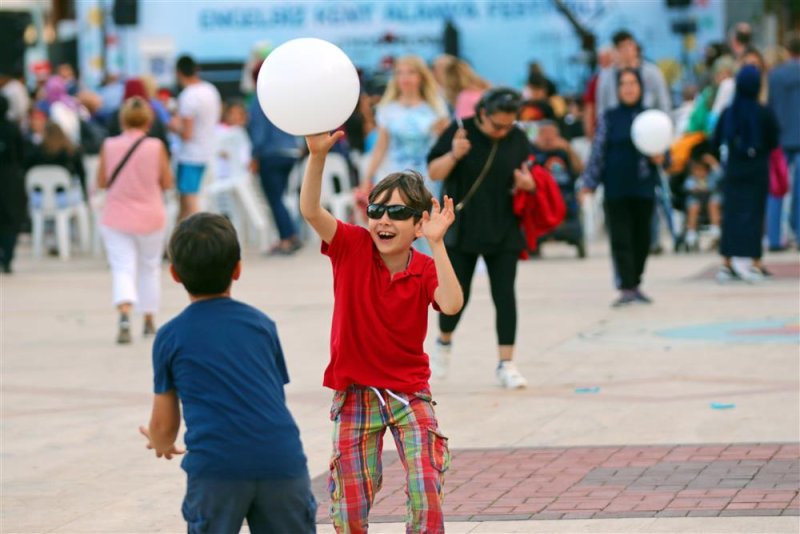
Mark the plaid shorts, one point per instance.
(361, 416)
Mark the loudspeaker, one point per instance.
(12, 42)
(125, 12)
(450, 39)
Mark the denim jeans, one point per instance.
(274, 173)
(793, 159)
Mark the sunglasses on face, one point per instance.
(499, 127)
(397, 212)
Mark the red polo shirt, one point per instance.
(379, 323)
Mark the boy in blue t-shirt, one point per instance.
(223, 360)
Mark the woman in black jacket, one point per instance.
(629, 179)
(486, 225)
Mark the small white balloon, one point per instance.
(651, 132)
(307, 86)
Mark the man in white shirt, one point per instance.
(199, 109)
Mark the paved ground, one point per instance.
(687, 407)
(513, 484)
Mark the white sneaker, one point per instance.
(691, 238)
(440, 360)
(509, 376)
(753, 275)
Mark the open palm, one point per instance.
(436, 223)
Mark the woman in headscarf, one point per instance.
(629, 179)
(61, 108)
(746, 134)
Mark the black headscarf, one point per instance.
(742, 130)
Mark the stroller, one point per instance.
(571, 229)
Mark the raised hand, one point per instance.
(461, 145)
(436, 223)
(523, 179)
(321, 144)
(173, 450)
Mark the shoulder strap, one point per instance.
(479, 181)
(125, 159)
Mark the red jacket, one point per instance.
(540, 211)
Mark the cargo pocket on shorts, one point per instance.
(335, 480)
(337, 403)
(438, 451)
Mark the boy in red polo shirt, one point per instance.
(378, 368)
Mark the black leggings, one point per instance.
(628, 220)
(502, 269)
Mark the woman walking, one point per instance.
(746, 133)
(629, 179)
(135, 170)
(481, 161)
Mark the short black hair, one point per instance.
(793, 43)
(204, 251)
(499, 100)
(621, 36)
(186, 65)
(412, 189)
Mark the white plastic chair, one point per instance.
(232, 189)
(42, 183)
(341, 202)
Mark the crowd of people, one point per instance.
(454, 168)
(407, 122)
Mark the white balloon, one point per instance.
(307, 86)
(651, 132)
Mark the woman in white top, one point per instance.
(410, 116)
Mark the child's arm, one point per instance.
(318, 217)
(448, 295)
(164, 424)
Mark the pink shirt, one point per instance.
(134, 202)
(466, 102)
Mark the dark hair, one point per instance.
(537, 80)
(621, 36)
(412, 189)
(204, 251)
(743, 33)
(793, 44)
(701, 162)
(499, 99)
(638, 77)
(186, 66)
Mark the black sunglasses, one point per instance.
(397, 212)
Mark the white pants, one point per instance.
(135, 267)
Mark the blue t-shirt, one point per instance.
(224, 360)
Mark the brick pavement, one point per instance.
(604, 482)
